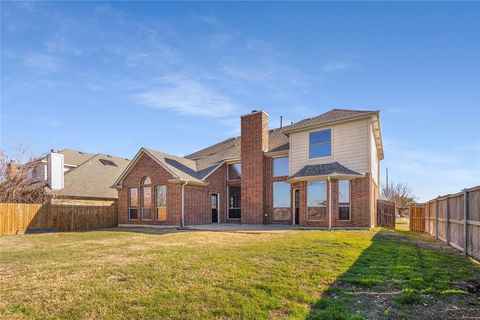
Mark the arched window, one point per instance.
(146, 198)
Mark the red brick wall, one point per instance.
(254, 129)
(360, 210)
(159, 176)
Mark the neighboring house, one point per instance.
(75, 177)
(319, 172)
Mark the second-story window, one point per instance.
(280, 167)
(320, 143)
(234, 171)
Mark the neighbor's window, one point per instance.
(320, 143)
(146, 199)
(234, 202)
(161, 203)
(234, 171)
(281, 201)
(132, 203)
(344, 199)
(317, 201)
(280, 167)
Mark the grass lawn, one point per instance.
(139, 273)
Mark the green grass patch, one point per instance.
(123, 273)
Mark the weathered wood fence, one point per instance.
(20, 216)
(385, 213)
(454, 219)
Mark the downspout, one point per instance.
(183, 204)
(329, 203)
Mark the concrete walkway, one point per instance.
(255, 228)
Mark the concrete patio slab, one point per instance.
(249, 228)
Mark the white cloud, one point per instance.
(186, 96)
(333, 66)
(42, 62)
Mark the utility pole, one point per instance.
(281, 122)
(388, 187)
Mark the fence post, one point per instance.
(436, 217)
(465, 221)
(447, 226)
(428, 222)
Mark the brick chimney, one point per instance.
(12, 169)
(254, 142)
(55, 166)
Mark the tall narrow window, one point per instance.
(132, 203)
(234, 171)
(320, 143)
(344, 199)
(281, 201)
(146, 199)
(317, 201)
(280, 167)
(161, 203)
(234, 201)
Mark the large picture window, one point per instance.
(280, 167)
(234, 171)
(132, 203)
(161, 203)
(234, 202)
(317, 201)
(146, 199)
(281, 201)
(320, 143)
(344, 199)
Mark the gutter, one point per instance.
(325, 177)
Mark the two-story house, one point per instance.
(318, 172)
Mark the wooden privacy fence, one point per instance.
(454, 219)
(19, 216)
(385, 213)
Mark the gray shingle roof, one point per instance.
(91, 178)
(327, 169)
(328, 117)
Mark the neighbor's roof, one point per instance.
(91, 177)
(326, 169)
(198, 165)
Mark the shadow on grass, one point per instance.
(399, 279)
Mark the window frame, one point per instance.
(155, 216)
(273, 166)
(142, 201)
(320, 206)
(349, 200)
(228, 171)
(319, 144)
(228, 204)
(289, 200)
(130, 203)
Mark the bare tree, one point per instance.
(16, 183)
(400, 193)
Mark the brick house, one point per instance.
(318, 172)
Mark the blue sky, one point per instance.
(113, 77)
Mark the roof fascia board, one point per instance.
(190, 182)
(325, 177)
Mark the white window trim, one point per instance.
(331, 144)
(273, 166)
(349, 201)
(325, 206)
(273, 201)
(228, 206)
(155, 217)
(129, 202)
(228, 175)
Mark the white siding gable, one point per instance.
(351, 142)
